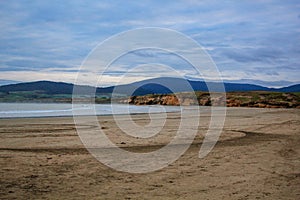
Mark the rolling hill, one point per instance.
(151, 86)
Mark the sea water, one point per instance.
(16, 110)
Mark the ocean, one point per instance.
(18, 110)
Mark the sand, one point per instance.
(257, 157)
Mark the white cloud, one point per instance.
(41, 37)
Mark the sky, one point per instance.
(249, 41)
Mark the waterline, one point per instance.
(20, 110)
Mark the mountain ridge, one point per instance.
(144, 87)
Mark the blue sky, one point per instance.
(250, 41)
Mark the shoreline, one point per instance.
(137, 113)
(257, 157)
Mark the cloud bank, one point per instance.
(255, 40)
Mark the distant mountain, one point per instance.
(169, 85)
(292, 88)
(270, 84)
(47, 87)
(173, 85)
(151, 86)
(8, 82)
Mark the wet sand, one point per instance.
(257, 157)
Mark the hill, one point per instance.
(150, 86)
(60, 91)
(162, 85)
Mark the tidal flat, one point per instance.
(257, 157)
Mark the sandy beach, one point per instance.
(257, 157)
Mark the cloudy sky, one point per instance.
(252, 41)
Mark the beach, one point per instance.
(257, 157)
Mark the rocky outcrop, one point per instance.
(233, 99)
(151, 100)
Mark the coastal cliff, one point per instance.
(233, 99)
